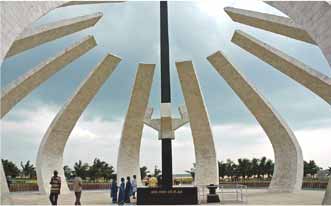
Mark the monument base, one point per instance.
(171, 196)
(212, 198)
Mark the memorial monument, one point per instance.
(165, 193)
(312, 27)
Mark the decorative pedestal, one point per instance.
(212, 196)
(172, 196)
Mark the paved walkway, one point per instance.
(254, 196)
(305, 197)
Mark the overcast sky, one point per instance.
(131, 31)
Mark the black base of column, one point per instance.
(171, 196)
(213, 198)
(166, 163)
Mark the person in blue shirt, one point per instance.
(128, 190)
(114, 189)
(121, 194)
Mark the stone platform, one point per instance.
(102, 197)
(171, 196)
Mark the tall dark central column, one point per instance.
(165, 93)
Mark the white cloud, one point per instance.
(315, 144)
(237, 141)
(96, 137)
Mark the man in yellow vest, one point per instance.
(55, 188)
(152, 181)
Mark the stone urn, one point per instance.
(212, 196)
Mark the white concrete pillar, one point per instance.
(312, 79)
(129, 149)
(50, 154)
(327, 196)
(17, 16)
(4, 198)
(205, 154)
(314, 17)
(33, 37)
(269, 22)
(288, 169)
(25, 84)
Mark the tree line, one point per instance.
(246, 168)
(255, 168)
(99, 169)
(27, 170)
(242, 168)
(259, 168)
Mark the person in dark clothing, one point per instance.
(128, 190)
(121, 194)
(159, 180)
(114, 190)
(55, 188)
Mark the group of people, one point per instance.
(152, 181)
(121, 194)
(56, 188)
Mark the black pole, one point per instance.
(165, 72)
(165, 93)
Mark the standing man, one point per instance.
(121, 193)
(134, 186)
(113, 190)
(55, 188)
(77, 186)
(128, 190)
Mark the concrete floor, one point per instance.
(305, 197)
(254, 196)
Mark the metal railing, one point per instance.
(228, 193)
(235, 193)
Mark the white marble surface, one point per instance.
(288, 169)
(33, 37)
(26, 83)
(327, 195)
(129, 148)
(312, 79)
(314, 17)
(269, 22)
(50, 154)
(205, 154)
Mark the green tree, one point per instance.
(68, 173)
(81, 169)
(143, 172)
(28, 170)
(244, 167)
(230, 168)
(100, 169)
(310, 168)
(262, 167)
(255, 168)
(108, 172)
(157, 171)
(95, 171)
(221, 169)
(10, 168)
(269, 168)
